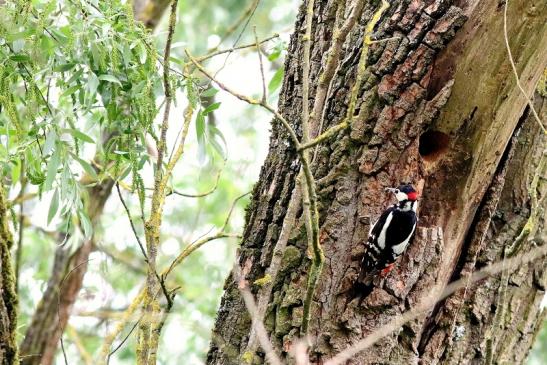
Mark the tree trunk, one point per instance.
(53, 312)
(439, 107)
(8, 295)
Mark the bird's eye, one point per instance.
(396, 191)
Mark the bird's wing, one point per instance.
(376, 229)
(373, 253)
(401, 233)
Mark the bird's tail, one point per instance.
(362, 287)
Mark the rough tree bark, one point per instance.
(440, 108)
(8, 295)
(42, 337)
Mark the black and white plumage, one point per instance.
(389, 236)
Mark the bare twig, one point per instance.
(257, 324)
(227, 220)
(200, 195)
(141, 246)
(126, 317)
(193, 247)
(247, 18)
(116, 256)
(124, 340)
(264, 95)
(229, 50)
(517, 79)
(59, 306)
(290, 130)
(244, 17)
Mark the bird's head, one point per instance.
(404, 192)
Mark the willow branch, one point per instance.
(264, 95)
(309, 196)
(229, 50)
(125, 318)
(278, 116)
(133, 228)
(361, 68)
(333, 59)
(152, 226)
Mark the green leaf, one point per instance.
(85, 223)
(59, 36)
(110, 78)
(277, 51)
(176, 60)
(71, 90)
(36, 177)
(200, 132)
(276, 80)
(274, 55)
(53, 206)
(210, 108)
(92, 83)
(209, 92)
(16, 170)
(215, 137)
(87, 167)
(50, 142)
(143, 55)
(20, 57)
(80, 135)
(76, 76)
(52, 166)
(64, 67)
(200, 127)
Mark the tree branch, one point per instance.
(152, 225)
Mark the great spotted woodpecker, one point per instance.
(388, 237)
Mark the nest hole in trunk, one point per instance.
(433, 144)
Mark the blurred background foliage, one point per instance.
(116, 269)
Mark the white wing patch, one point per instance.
(382, 236)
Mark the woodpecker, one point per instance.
(388, 237)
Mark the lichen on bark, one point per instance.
(8, 295)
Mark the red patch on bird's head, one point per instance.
(412, 196)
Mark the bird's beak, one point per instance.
(391, 190)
